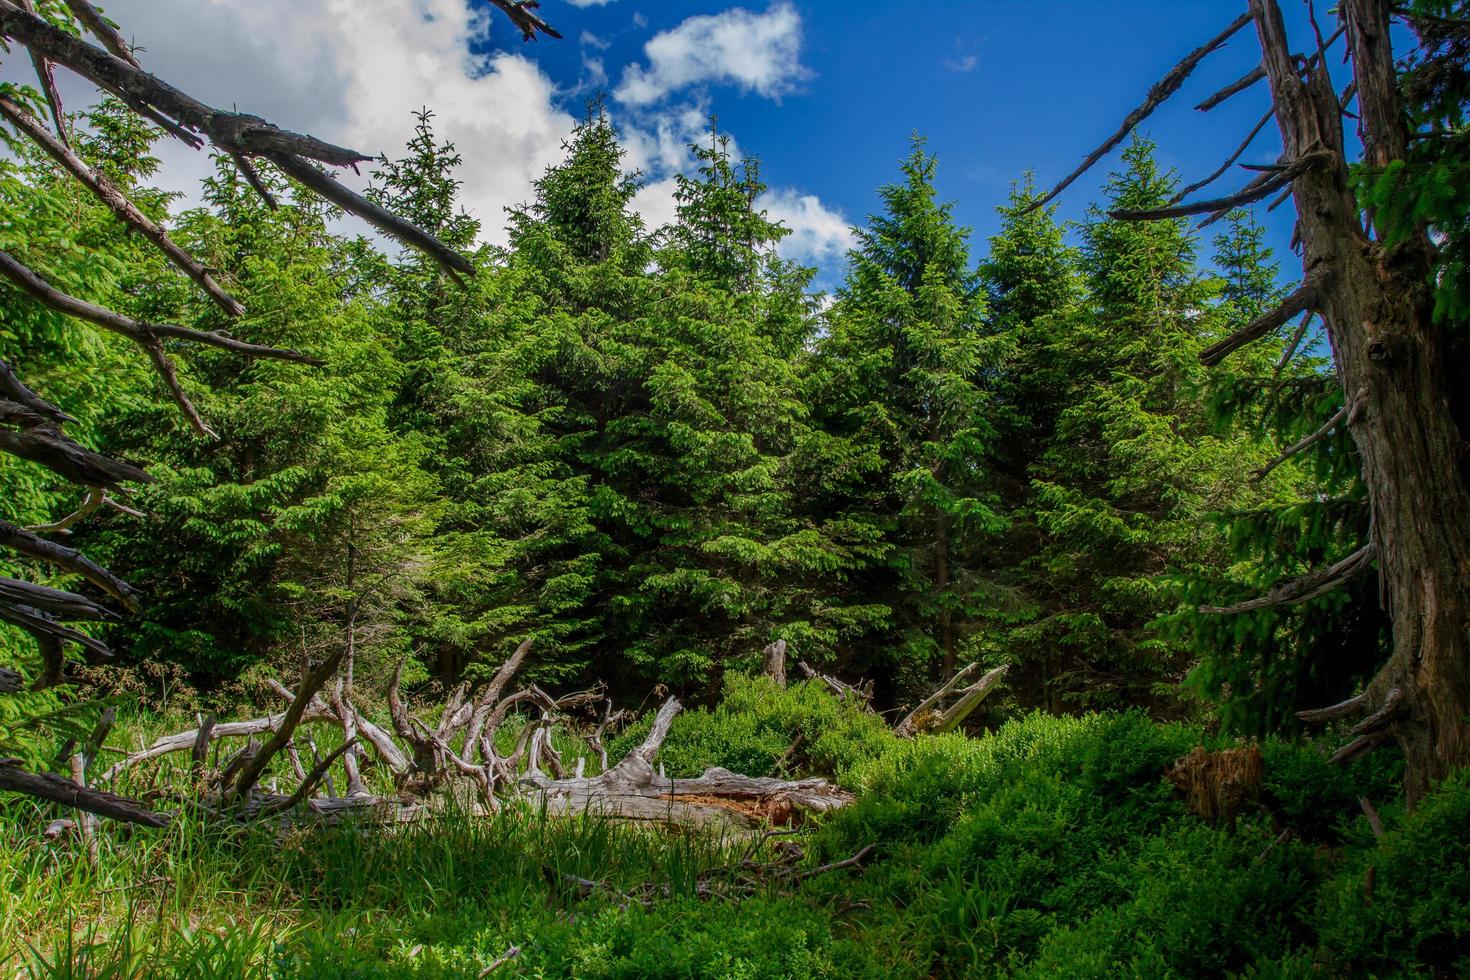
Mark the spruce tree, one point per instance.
(1263, 665)
(306, 520)
(1132, 468)
(903, 375)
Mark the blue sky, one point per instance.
(996, 87)
(826, 93)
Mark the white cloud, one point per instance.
(655, 202)
(589, 3)
(590, 40)
(594, 74)
(819, 236)
(966, 63)
(758, 52)
(353, 72)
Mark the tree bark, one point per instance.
(1377, 302)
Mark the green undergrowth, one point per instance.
(1050, 847)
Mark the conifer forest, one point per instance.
(394, 589)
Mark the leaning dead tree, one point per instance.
(80, 40)
(1396, 364)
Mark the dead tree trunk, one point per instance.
(774, 665)
(1392, 359)
(717, 800)
(1395, 364)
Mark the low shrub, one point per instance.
(761, 729)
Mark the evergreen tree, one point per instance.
(306, 519)
(1122, 490)
(1263, 665)
(902, 376)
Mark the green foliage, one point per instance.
(760, 729)
(1417, 914)
(1123, 463)
(1051, 847)
(900, 377)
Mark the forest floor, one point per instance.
(1048, 847)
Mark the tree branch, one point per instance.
(519, 12)
(127, 212)
(315, 776)
(137, 331)
(1307, 587)
(1255, 191)
(311, 682)
(1157, 95)
(50, 447)
(102, 30)
(68, 559)
(1234, 88)
(1303, 299)
(1337, 419)
(246, 133)
(1239, 151)
(1343, 709)
(46, 786)
(12, 388)
(52, 602)
(386, 222)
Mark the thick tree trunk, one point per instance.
(1392, 360)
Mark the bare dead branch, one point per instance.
(311, 683)
(388, 223)
(13, 389)
(1239, 151)
(853, 862)
(51, 601)
(1157, 95)
(906, 724)
(102, 30)
(46, 786)
(1355, 705)
(1371, 812)
(68, 559)
(1304, 298)
(246, 133)
(59, 453)
(955, 715)
(165, 368)
(139, 332)
(313, 778)
(1291, 349)
(1303, 444)
(1307, 587)
(1234, 88)
(1257, 190)
(46, 78)
(125, 210)
(91, 502)
(1358, 746)
(252, 177)
(519, 12)
(1393, 704)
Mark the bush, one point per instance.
(1417, 918)
(760, 729)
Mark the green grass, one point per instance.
(1051, 847)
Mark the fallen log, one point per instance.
(430, 762)
(716, 800)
